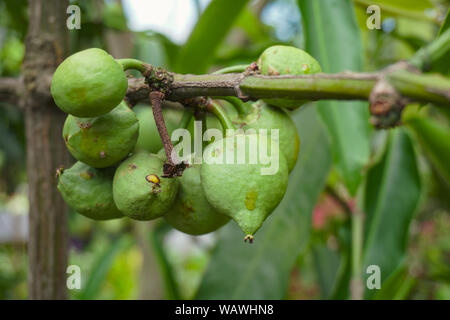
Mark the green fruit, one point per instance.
(264, 116)
(89, 83)
(88, 191)
(192, 212)
(149, 138)
(286, 60)
(240, 190)
(103, 141)
(139, 190)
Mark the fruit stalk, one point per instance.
(215, 108)
(156, 99)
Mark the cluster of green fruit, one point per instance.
(120, 164)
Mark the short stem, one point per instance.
(237, 103)
(185, 119)
(426, 57)
(132, 64)
(156, 99)
(233, 69)
(216, 109)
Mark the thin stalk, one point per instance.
(357, 249)
(241, 107)
(434, 51)
(132, 64)
(217, 110)
(185, 119)
(233, 69)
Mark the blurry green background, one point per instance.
(306, 248)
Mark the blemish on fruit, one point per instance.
(84, 125)
(305, 68)
(87, 175)
(153, 178)
(250, 200)
(132, 166)
(102, 154)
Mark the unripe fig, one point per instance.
(102, 141)
(88, 191)
(242, 191)
(286, 60)
(264, 116)
(149, 138)
(191, 212)
(89, 83)
(140, 192)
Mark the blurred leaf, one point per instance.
(434, 138)
(446, 23)
(410, 8)
(113, 16)
(330, 27)
(397, 287)
(150, 42)
(156, 240)
(208, 34)
(238, 270)
(102, 266)
(391, 197)
(327, 262)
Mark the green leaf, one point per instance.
(445, 24)
(261, 270)
(434, 138)
(330, 28)
(156, 241)
(391, 197)
(211, 29)
(102, 265)
(397, 286)
(327, 262)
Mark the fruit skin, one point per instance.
(264, 116)
(102, 141)
(149, 138)
(89, 83)
(191, 212)
(134, 189)
(286, 60)
(88, 191)
(239, 190)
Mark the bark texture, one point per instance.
(46, 46)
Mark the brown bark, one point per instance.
(46, 46)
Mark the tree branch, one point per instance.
(339, 86)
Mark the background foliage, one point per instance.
(315, 245)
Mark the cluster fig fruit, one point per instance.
(140, 192)
(89, 83)
(264, 116)
(88, 191)
(149, 138)
(239, 189)
(191, 212)
(287, 60)
(102, 141)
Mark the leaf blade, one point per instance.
(330, 26)
(209, 32)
